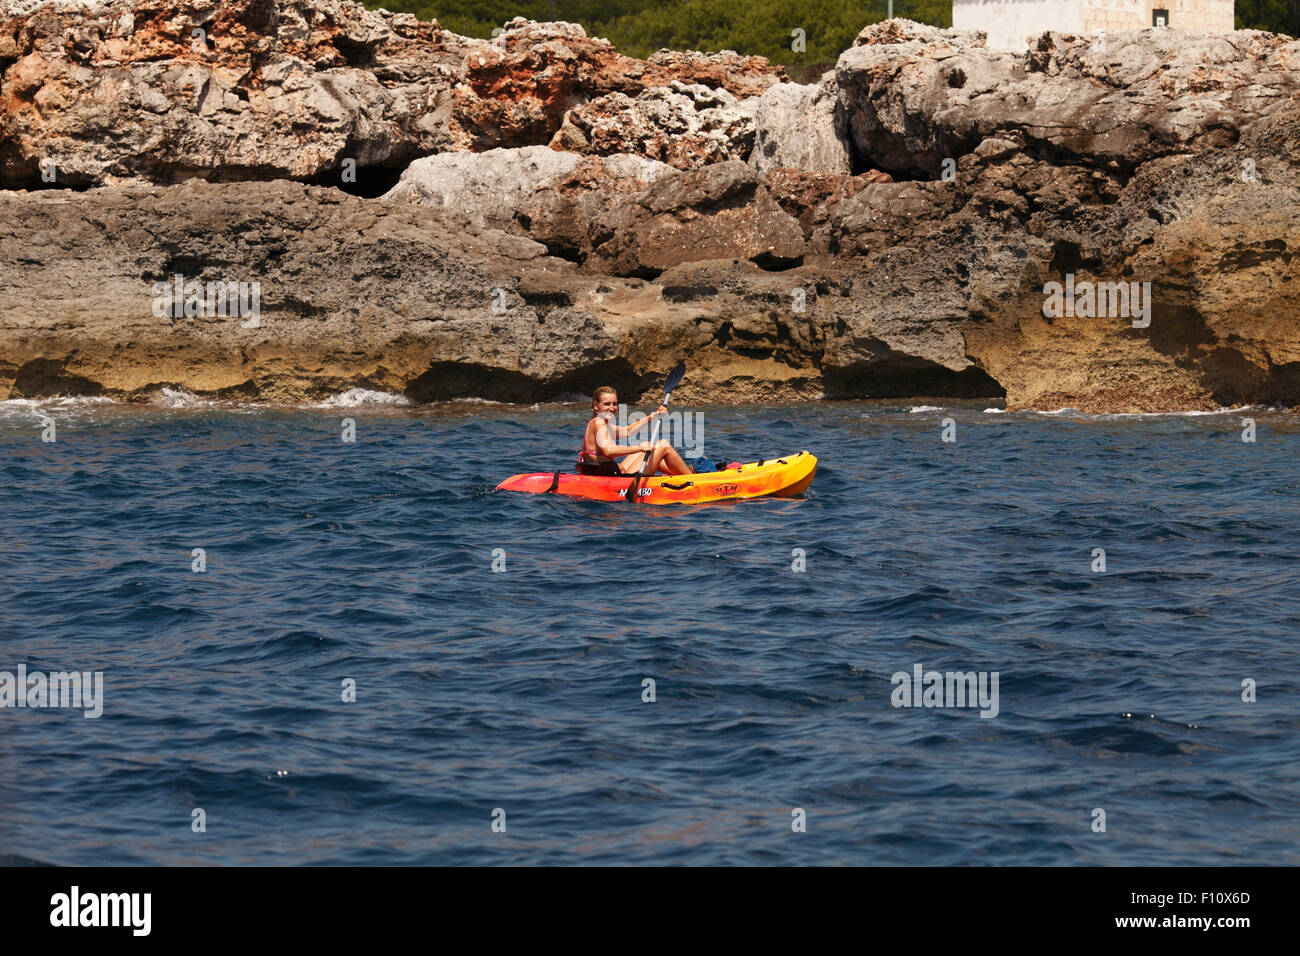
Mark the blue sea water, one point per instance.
(522, 690)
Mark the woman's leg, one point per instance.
(631, 465)
(665, 460)
(668, 461)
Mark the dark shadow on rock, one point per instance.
(905, 377)
(370, 182)
(45, 378)
(1233, 379)
(616, 373)
(1282, 385)
(688, 293)
(1175, 330)
(448, 380)
(246, 390)
(773, 263)
(546, 298)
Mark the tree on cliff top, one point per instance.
(640, 27)
(757, 27)
(1278, 16)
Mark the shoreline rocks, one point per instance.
(566, 216)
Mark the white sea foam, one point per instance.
(179, 398)
(359, 397)
(925, 408)
(1106, 416)
(62, 402)
(24, 412)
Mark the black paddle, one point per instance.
(674, 379)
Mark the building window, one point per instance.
(1160, 18)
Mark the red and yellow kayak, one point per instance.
(775, 477)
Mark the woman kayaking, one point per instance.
(783, 477)
(600, 453)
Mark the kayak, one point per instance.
(771, 477)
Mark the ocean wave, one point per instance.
(1111, 416)
(179, 398)
(62, 401)
(359, 397)
(28, 411)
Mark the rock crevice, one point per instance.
(524, 217)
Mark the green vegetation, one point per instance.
(764, 27)
(640, 27)
(1279, 16)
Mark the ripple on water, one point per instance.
(366, 568)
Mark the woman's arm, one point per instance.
(622, 431)
(610, 450)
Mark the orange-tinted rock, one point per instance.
(259, 89)
(741, 76)
(809, 197)
(564, 212)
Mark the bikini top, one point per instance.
(594, 456)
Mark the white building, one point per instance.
(1010, 23)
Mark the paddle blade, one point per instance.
(675, 377)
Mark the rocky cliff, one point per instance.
(1105, 227)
